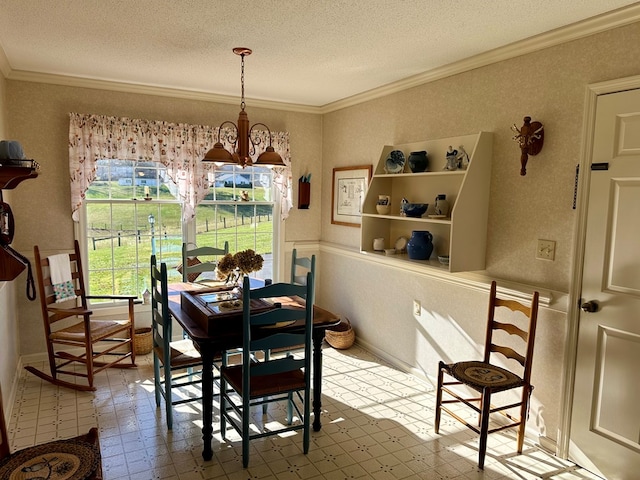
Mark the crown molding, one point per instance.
(141, 89)
(607, 21)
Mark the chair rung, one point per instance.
(503, 427)
(68, 342)
(185, 400)
(272, 432)
(504, 407)
(102, 366)
(460, 419)
(72, 358)
(67, 372)
(65, 362)
(459, 399)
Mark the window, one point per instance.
(123, 229)
(239, 209)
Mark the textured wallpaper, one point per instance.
(549, 86)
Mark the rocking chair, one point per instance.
(94, 344)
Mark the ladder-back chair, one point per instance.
(283, 378)
(192, 261)
(300, 266)
(96, 344)
(174, 362)
(487, 378)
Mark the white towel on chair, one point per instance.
(60, 270)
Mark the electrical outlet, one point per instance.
(417, 308)
(546, 250)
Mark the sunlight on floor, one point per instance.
(377, 424)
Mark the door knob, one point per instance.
(590, 307)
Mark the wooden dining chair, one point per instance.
(177, 365)
(192, 260)
(95, 344)
(488, 378)
(300, 266)
(279, 378)
(77, 457)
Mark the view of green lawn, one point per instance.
(120, 240)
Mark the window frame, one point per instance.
(188, 235)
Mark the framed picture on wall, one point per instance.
(347, 194)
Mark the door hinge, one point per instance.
(600, 166)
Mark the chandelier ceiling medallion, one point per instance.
(243, 146)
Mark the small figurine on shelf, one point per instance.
(462, 158)
(403, 206)
(383, 206)
(452, 159)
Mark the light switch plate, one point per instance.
(546, 250)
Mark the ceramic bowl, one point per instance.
(415, 209)
(443, 259)
(389, 251)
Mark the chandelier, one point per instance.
(243, 146)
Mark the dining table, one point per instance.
(213, 342)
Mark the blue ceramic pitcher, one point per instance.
(420, 245)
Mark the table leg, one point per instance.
(318, 337)
(207, 402)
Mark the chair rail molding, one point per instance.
(550, 299)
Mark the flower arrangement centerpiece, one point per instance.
(232, 268)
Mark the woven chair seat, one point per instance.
(182, 353)
(99, 329)
(480, 375)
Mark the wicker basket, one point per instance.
(142, 341)
(341, 336)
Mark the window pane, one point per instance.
(122, 232)
(239, 210)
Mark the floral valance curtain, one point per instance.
(178, 146)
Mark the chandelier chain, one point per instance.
(242, 104)
(242, 146)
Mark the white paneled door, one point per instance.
(605, 422)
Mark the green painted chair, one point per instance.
(176, 364)
(300, 266)
(192, 260)
(278, 378)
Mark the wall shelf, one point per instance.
(463, 234)
(11, 176)
(11, 263)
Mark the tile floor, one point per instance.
(377, 424)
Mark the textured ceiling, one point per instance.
(308, 52)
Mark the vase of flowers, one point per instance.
(233, 268)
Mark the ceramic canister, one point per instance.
(420, 245)
(418, 161)
(441, 206)
(378, 244)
